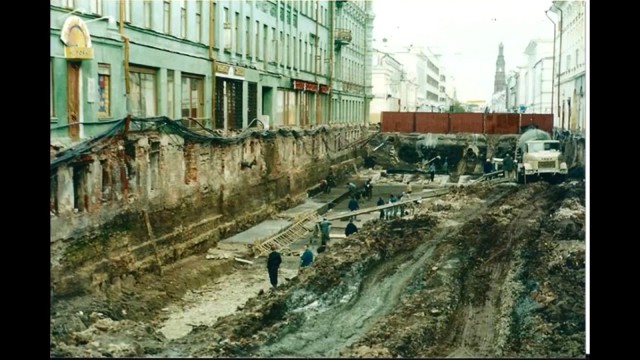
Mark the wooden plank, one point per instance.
(243, 261)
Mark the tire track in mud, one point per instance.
(478, 332)
(328, 332)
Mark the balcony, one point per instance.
(343, 37)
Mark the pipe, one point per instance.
(364, 70)
(559, 60)
(553, 68)
(331, 55)
(213, 64)
(127, 85)
(315, 70)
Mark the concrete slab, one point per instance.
(310, 204)
(261, 231)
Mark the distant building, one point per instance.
(537, 76)
(570, 65)
(407, 78)
(387, 79)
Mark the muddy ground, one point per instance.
(489, 270)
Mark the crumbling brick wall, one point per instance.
(150, 199)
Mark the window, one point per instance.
(52, 109)
(96, 7)
(147, 14)
(104, 90)
(257, 35)
(289, 50)
(69, 4)
(127, 11)
(143, 91)
(183, 18)
(274, 39)
(238, 34)
(167, 16)
(192, 96)
(199, 21)
(227, 29)
(247, 37)
(265, 42)
(171, 113)
(295, 52)
(281, 57)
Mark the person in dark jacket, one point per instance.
(353, 206)
(351, 228)
(487, 166)
(273, 263)
(381, 202)
(306, 258)
(507, 166)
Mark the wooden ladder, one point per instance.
(299, 228)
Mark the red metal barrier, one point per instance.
(479, 123)
(437, 123)
(541, 121)
(501, 123)
(398, 122)
(466, 123)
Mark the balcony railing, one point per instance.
(343, 36)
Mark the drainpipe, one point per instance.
(213, 64)
(553, 68)
(559, 59)
(315, 70)
(331, 53)
(364, 70)
(127, 86)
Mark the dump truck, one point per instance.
(538, 156)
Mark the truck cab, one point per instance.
(540, 158)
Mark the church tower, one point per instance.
(500, 80)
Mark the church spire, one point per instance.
(500, 80)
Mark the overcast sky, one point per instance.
(467, 33)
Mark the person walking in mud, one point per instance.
(432, 171)
(507, 166)
(350, 229)
(306, 258)
(353, 206)
(273, 264)
(325, 230)
(368, 190)
(380, 203)
(331, 182)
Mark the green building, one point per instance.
(284, 63)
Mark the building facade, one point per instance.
(407, 79)
(225, 64)
(389, 84)
(529, 88)
(570, 65)
(538, 77)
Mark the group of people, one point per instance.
(508, 166)
(275, 259)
